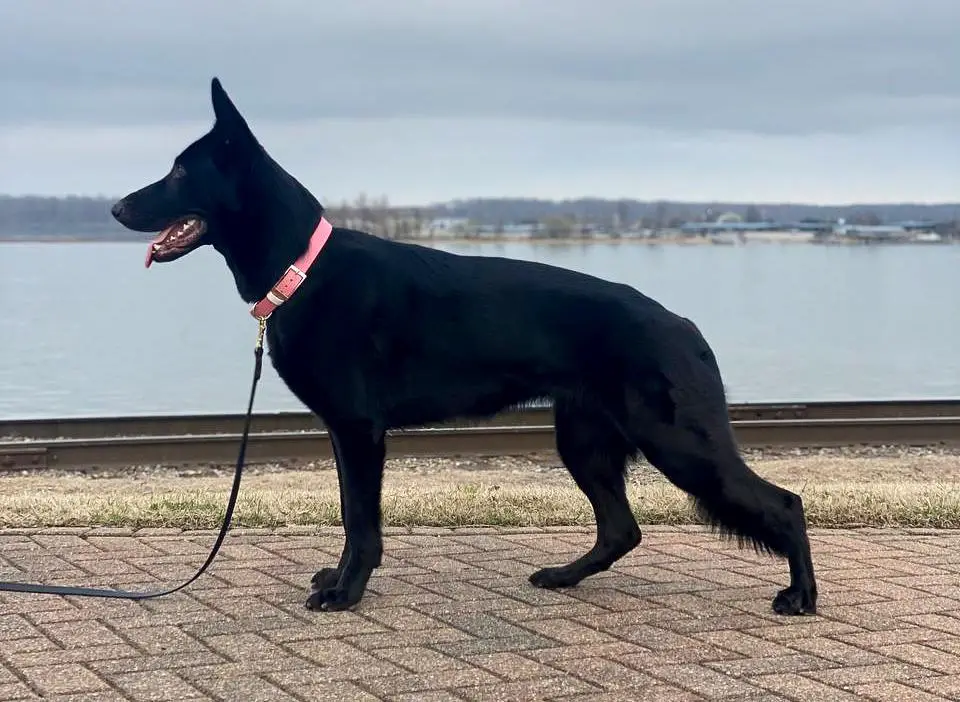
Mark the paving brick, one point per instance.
(526, 643)
(432, 696)
(80, 633)
(771, 664)
(568, 631)
(63, 679)
(705, 682)
(682, 624)
(950, 645)
(939, 622)
(603, 673)
(926, 656)
(339, 661)
(742, 643)
(849, 676)
(156, 640)
(798, 687)
(249, 688)
(837, 651)
(6, 675)
(451, 616)
(511, 666)
(905, 634)
(16, 626)
(612, 649)
(584, 612)
(943, 685)
(651, 637)
(255, 652)
(166, 661)
(403, 618)
(329, 678)
(702, 653)
(434, 680)
(58, 656)
(896, 692)
(651, 693)
(419, 659)
(105, 696)
(524, 690)
(154, 686)
(334, 692)
(484, 625)
(16, 691)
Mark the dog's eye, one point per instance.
(178, 171)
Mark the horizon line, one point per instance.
(580, 198)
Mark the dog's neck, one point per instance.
(278, 218)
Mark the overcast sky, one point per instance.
(426, 100)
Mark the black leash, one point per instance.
(37, 588)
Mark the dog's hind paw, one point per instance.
(794, 601)
(552, 578)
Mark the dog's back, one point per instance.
(449, 335)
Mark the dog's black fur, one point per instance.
(385, 335)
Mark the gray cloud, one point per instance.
(651, 98)
(749, 65)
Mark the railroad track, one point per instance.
(84, 443)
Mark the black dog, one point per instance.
(384, 335)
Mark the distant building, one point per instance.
(521, 228)
(448, 225)
(729, 218)
(727, 227)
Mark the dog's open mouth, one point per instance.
(177, 240)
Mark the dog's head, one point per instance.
(193, 204)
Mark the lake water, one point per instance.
(86, 330)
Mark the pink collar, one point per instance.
(295, 274)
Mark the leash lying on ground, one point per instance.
(288, 283)
(40, 589)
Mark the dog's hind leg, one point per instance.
(737, 501)
(359, 454)
(595, 453)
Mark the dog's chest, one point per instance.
(332, 372)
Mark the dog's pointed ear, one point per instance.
(228, 116)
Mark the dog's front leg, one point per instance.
(359, 455)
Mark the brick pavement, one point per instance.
(450, 616)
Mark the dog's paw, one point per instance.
(331, 599)
(552, 578)
(794, 601)
(324, 579)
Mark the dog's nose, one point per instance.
(117, 209)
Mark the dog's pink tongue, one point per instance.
(156, 240)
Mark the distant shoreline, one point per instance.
(681, 241)
(673, 239)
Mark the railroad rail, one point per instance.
(89, 442)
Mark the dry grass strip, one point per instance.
(410, 502)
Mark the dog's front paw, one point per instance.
(331, 599)
(324, 579)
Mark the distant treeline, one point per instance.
(667, 213)
(89, 217)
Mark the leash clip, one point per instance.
(262, 329)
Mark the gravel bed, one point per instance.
(543, 462)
